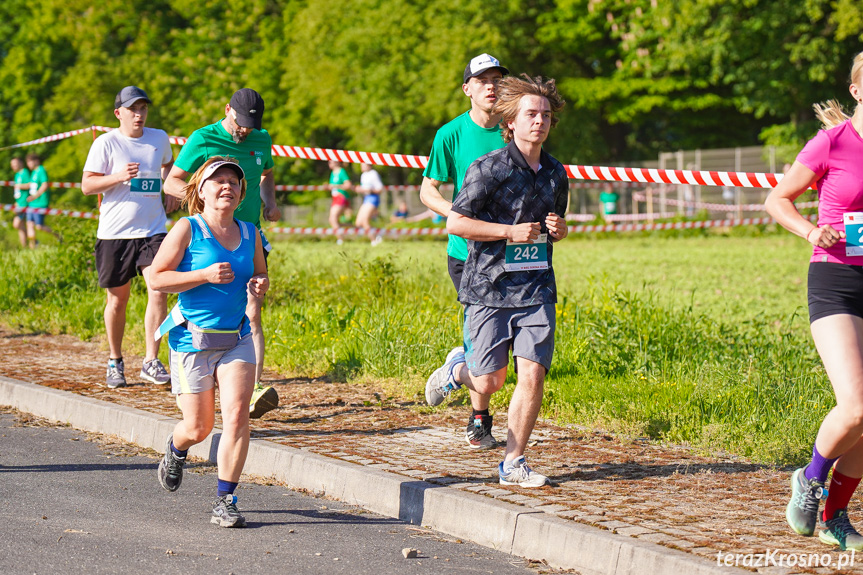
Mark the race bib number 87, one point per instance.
(527, 256)
(146, 187)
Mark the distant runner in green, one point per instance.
(21, 187)
(38, 197)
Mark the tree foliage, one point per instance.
(639, 76)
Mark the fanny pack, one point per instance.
(213, 339)
(204, 339)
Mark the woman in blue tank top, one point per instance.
(211, 260)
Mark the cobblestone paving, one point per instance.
(657, 493)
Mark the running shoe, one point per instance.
(116, 376)
(154, 372)
(442, 382)
(171, 468)
(478, 432)
(519, 473)
(264, 399)
(839, 531)
(225, 512)
(802, 510)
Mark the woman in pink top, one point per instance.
(833, 162)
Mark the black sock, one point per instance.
(475, 412)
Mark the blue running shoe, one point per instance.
(442, 382)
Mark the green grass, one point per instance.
(695, 338)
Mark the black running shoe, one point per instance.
(171, 468)
(478, 434)
(225, 512)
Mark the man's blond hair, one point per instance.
(510, 91)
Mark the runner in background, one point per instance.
(511, 208)
(215, 262)
(831, 161)
(340, 188)
(239, 135)
(371, 187)
(127, 167)
(39, 197)
(21, 190)
(456, 145)
(401, 213)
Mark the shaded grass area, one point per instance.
(699, 339)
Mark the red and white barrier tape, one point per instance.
(50, 184)
(580, 217)
(639, 217)
(50, 212)
(575, 172)
(579, 229)
(353, 231)
(51, 138)
(640, 197)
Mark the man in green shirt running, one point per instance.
(340, 190)
(456, 145)
(239, 135)
(22, 188)
(38, 198)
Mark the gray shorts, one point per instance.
(195, 371)
(490, 332)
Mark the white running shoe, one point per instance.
(517, 472)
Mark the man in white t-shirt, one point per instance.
(127, 167)
(371, 187)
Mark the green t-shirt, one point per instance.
(609, 202)
(456, 146)
(254, 155)
(338, 177)
(22, 176)
(38, 177)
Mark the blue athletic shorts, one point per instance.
(38, 219)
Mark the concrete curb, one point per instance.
(506, 527)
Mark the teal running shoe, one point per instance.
(802, 510)
(840, 532)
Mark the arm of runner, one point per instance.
(780, 205)
(172, 204)
(557, 227)
(260, 282)
(39, 192)
(93, 183)
(481, 231)
(431, 197)
(175, 182)
(272, 213)
(164, 276)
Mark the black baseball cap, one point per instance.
(249, 107)
(480, 64)
(129, 95)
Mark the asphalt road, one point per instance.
(74, 502)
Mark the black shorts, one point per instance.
(834, 289)
(118, 261)
(455, 267)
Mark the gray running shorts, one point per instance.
(195, 371)
(490, 332)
